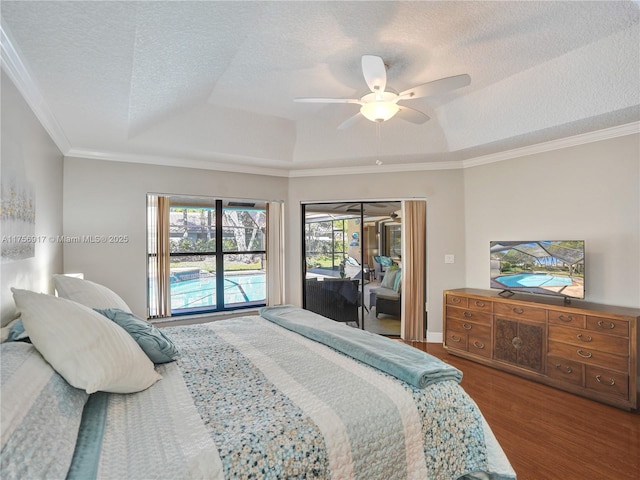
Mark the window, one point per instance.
(216, 255)
(325, 243)
(393, 240)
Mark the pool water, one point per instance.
(201, 292)
(534, 280)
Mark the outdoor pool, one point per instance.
(534, 280)
(201, 292)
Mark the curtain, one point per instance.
(158, 256)
(414, 240)
(275, 253)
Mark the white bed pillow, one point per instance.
(88, 350)
(88, 293)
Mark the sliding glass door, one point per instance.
(340, 243)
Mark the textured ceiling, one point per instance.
(214, 82)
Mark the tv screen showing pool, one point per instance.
(549, 267)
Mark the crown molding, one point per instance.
(20, 76)
(367, 169)
(581, 139)
(176, 162)
(573, 141)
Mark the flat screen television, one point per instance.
(548, 267)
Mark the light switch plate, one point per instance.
(449, 258)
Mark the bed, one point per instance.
(274, 396)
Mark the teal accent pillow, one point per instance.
(389, 278)
(153, 342)
(398, 281)
(386, 261)
(17, 332)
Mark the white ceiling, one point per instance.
(212, 84)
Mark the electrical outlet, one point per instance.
(449, 258)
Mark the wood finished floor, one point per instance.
(546, 433)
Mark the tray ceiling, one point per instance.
(212, 84)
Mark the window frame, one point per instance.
(219, 254)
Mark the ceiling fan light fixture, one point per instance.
(379, 111)
(381, 103)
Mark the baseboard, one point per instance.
(434, 337)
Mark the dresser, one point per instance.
(581, 347)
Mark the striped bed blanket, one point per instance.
(250, 399)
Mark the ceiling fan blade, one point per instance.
(375, 73)
(412, 115)
(437, 86)
(349, 122)
(326, 100)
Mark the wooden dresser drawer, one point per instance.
(456, 340)
(589, 356)
(457, 301)
(606, 381)
(479, 345)
(567, 319)
(469, 315)
(520, 311)
(589, 339)
(466, 327)
(565, 370)
(610, 326)
(480, 305)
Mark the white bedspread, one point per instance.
(249, 399)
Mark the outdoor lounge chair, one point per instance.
(387, 296)
(388, 302)
(355, 271)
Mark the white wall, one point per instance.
(28, 151)
(109, 198)
(443, 191)
(589, 192)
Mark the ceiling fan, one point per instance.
(382, 103)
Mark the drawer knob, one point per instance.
(567, 370)
(610, 383)
(583, 338)
(517, 342)
(466, 326)
(567, 319)
(478, 344)
(456, 338)
(479, 304)
(609, 325)
(455, 300)
(467, 314)
(517, 310)
(584, 355)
